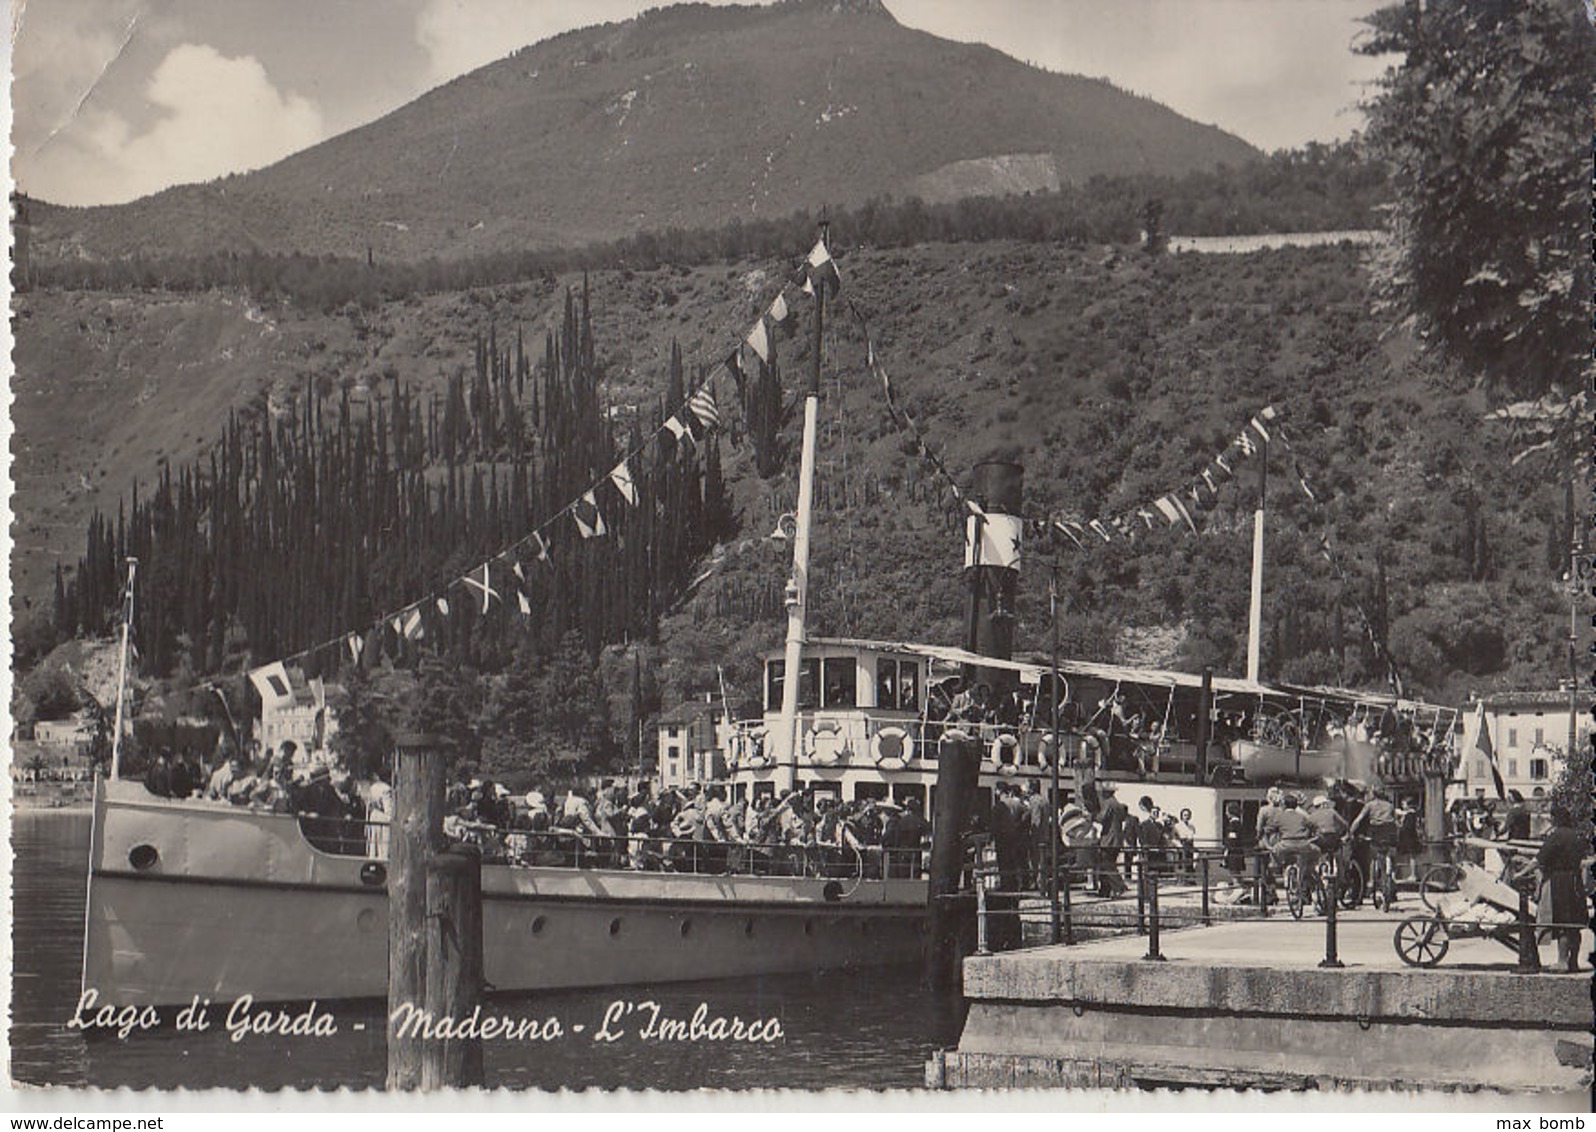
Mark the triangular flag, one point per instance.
(526, 606)
(822, 268)
(734, 366)
(1223, 461)
(408, 624)
(1208, 481)
(483, 587)
(588, 519)
(1097, 526)
(1256, 424)
(675, 427)
(1246, 443)
(779, 314)
(1166, 508)
(515, 569)
(1180, 509)
(543, 549)
(759, 341)
(621, 477)
(1064, 529)
(443, 606)
(703, 407)
(356, 646)
(271, 681)
(1482, 744)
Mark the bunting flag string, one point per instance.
(699, 408)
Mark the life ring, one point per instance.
(1094, 748)
(892, 748)
(757, 762)
(1044, 750)
(1005, 752)
(825, 745)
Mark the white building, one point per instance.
(302, 718)
(1529, 733)
(690, 749)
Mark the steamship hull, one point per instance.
(194, 899)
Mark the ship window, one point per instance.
(886, 683)
(840, 686)
(774, 678)
(808, 679)
(869, 791)
(909, 685)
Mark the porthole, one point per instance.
(686, 926)
(374, 873)
(748, 927)
(142, 857)
(615, 926)
(538, 924)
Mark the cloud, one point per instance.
(213, 115)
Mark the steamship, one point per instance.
(188, 898)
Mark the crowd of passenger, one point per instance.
(696, 828)
(276, 781)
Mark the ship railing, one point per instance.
(571, 849)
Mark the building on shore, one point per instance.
(690, 748)
(1528, 733)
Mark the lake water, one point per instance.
(856, 1030)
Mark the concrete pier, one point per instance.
(1246, 1005)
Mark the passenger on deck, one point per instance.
(158, 777)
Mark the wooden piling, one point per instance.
(416, 833)
(454, 979)
(958, 773)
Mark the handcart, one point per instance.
(1481, 906)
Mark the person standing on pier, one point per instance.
(1113, 819)
(1562, 903)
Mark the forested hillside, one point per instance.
(1112, 375)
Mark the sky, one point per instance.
(115, 99)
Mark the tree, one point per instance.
(550, 715)
(1483, 125)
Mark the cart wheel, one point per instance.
(1293, 882)
(1421, 941)
(1439, 881)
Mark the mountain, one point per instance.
(683, 116)
(1113, 377)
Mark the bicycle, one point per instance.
(1383, 883)
(1328, 875)
(1298, 888)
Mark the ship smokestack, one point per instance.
(992, 545)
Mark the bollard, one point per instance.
(1332, 897)
(1141, 895)
(981, 947)
(1260, 892)
(1150, 883)
(1064, 910)
(1529, 955)
(1202, 865)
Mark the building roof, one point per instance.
(1557, 699)
(689, 712)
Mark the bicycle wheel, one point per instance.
(1378, 891)
(1351, 892)
(1321, 894)
(1293, 882)
(1439, 881)
(1388, 886)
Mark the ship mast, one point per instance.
(1255, 606)
(121, 676)
(798, 583)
